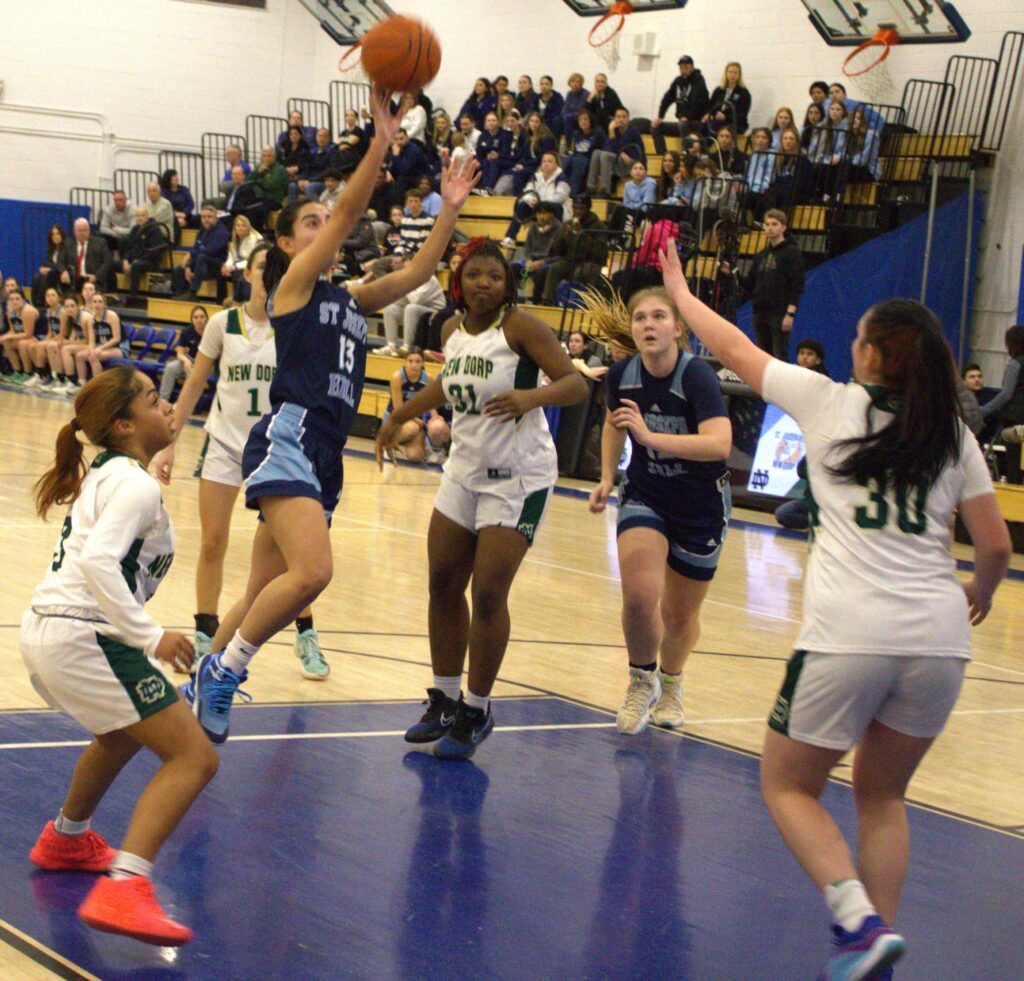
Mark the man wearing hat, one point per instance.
(689, 92)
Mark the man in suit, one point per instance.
(85, 259)
(245, 197)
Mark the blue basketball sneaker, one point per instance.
(436, 721)
(210, 692)
(472, 726)
(866, 953)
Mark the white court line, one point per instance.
(328, 735)
(578, 572)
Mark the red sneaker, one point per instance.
(130, 907)
(71, 853)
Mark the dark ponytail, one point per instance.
(104, 400)
(923, 436)
(277, 259)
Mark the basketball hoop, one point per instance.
(867, 64)
(604, 35)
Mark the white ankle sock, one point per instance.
(65, 826)
(477, 701)
(238, 654)
(849, 903)
(125, 865)
(450, 685)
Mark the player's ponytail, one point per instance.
(104, 400)
(277, 259)
(922, 435)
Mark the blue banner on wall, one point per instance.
(19, 258)
(840, 290)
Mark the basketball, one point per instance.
(401, 53)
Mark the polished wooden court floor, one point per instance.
(566, 637)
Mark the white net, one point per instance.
(869, 74)
(609, 52)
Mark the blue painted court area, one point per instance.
(324, 849)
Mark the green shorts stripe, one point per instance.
(779, 719)
(146, 686)
(533, 511)
(202, 456)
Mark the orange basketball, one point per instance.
(401, 53)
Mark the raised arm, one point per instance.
(724, 340)
(456, 183)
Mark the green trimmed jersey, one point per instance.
(486, 454)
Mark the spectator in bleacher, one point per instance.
(783, 120)
(491, 149)
(575, 99)
(514, 174)
(831, 152)
(603, 103)
(683, 189)
(413, 229)
(182, 203)
(819, 95)
(792, 177)
(333, 186)
(467, 126)
(583, 141)
(810, 354)
(864, 146)
(33, 349)
(499, 86)
(479, 103)
(547, 184)
(526, 100)
(143, 250)
(325, 156)
(21, 318)
(623, 148)
(271, 178)
(460, 149)
(244, 238)
(431, 199)
(245, 198)
(539, 140)
(117, 221)
(407, 165)
(441, 139)
(207, 256)
(1007, 406)
(580, 249)
(550, 105)
(837, 93)
(775, 284)
(389, 236)
(670, 164)
(85, 259)
(406, 313)
(360, 247)
(233, 158)
(729, 103)
(760, 166)
(812, 130)
(48, 274)
(180, 366)
(294, 155)
(540, 240)
(104, 339)
(160, 210)
(506, 106)
(308, 133)
(687, 96)
(414, 122)
(732, 159)
(584, 355)
(352, 142)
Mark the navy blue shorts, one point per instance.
(283, 459)
(692, 552)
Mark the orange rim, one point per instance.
(884, 39)
(618, 10)
(342, 62)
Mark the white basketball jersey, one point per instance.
(880, 578)
(488, 455)
(247, 360)
(115, 547)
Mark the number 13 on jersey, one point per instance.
(346, 354)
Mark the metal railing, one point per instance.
(92, 200)
(134, 183)
(189, 167)
(1007, 83)
(345, 96)
(213, 146)
(973, 82)
(261, 131)
(315, 112)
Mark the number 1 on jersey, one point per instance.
(254, 402)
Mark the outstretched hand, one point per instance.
(672, 269)
(457, 180)
(385, 124)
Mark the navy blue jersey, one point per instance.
(410, 388)
(48, 323)
(102, 331)
(321, 360)
(687, 491)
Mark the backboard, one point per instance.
(347, 20)
(598, 8)
(852, 22)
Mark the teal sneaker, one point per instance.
(202, 644)
(307, 650)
